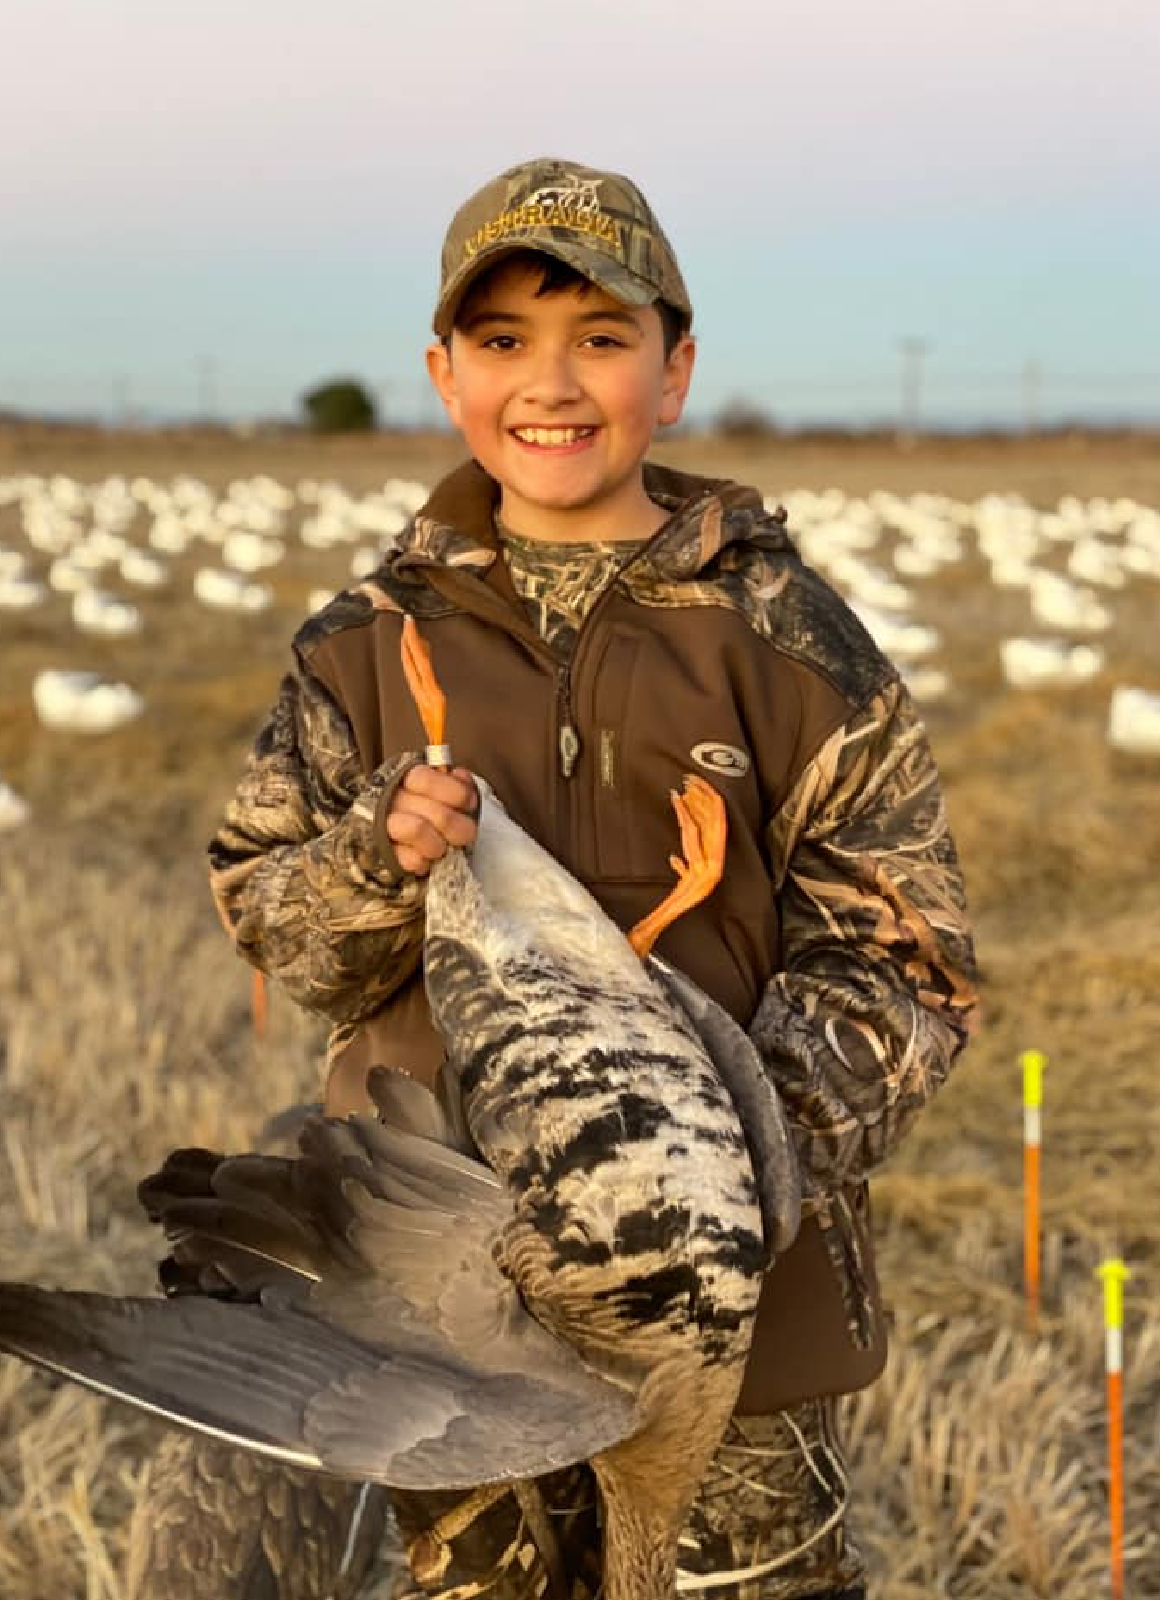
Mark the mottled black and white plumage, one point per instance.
(390, 1307)
(590, 1089)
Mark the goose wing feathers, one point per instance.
(758, 1105)
(344, 1311)
(287, 1385)
(437, 1114)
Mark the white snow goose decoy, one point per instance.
(388, 1307)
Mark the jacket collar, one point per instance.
(456, 527)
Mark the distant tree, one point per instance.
(341, 406)
(744, 419)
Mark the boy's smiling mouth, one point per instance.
(553, 438)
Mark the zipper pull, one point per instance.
(569, 749)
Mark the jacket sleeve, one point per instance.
(301, 869)
(877, 992)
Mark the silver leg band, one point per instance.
(438, 755)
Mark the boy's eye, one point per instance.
(604, 341)
(501, 341)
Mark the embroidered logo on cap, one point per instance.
(572, 203)
(724, 760)
(577, 194)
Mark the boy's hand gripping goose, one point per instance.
(388, 1307)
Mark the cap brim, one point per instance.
(595, 265)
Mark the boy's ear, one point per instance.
(442, 376)
(678, 376)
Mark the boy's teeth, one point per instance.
(552, 435)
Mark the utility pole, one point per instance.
(122, 401)
(1030, 380)
(912, 350)
(206, 389)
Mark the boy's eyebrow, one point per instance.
(476, 317)
(618, 314)
(614, 314)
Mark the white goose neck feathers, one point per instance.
(509, 897)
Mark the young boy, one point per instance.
(601, 626)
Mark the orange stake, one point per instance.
(1033, 1063)
(1114, 1274)
(1031, 1231)
(1115, 1403)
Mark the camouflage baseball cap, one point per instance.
(597, 222)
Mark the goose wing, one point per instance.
(763, 1119)
(344, 1311)
(286, 1385)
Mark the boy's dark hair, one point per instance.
(556, 276)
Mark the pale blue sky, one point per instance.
(228, 202)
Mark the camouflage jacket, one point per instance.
(838, 936)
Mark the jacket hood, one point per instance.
(456, 527)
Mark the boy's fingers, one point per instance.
(417, 845)
(411, 861)
(453, 822)
(455, 789)
(428, 827)
(467, 777)
(432, 810)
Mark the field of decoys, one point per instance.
(149, 588)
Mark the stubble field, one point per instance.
(124, 1025)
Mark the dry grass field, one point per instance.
(979, 1457)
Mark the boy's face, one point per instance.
(558, 397)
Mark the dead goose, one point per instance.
(389, 1308)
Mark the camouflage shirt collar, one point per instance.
(456, 526)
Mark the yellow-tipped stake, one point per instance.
(1033, 1063)
(1115, 1274)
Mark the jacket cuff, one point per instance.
(368, 817)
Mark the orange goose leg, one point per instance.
(704, 827)
(429, 698)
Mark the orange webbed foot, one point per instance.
(429, 698)
(703, 821)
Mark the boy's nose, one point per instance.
(552, 380)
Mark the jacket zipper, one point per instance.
(568, 740)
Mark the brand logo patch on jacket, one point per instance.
(724, 760)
